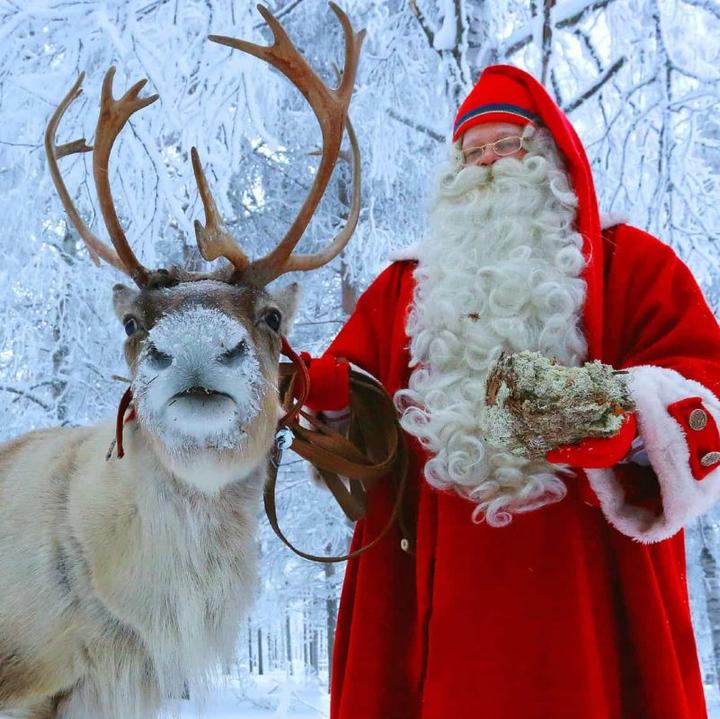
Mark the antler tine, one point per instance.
(96, 247)
(114, 115)
(303, 263)
(352, 54)
(213, 239)
(330, 108)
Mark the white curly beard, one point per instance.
(498, 271)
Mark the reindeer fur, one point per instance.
(121, 581)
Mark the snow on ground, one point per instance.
(269, 697)
(278, 697)
(275, 696)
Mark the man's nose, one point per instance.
(488, 156)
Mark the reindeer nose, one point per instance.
(158, 359)
(234, 355)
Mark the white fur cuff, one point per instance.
(678, 421)
(410, 252)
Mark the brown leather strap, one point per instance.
(329, 450)
(375, 449)
(352, 500)
(271, 511)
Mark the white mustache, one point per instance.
(507, 174)
(455, 183)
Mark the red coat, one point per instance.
(573, 611)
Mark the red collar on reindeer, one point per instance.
(508, 94)
(299, 395)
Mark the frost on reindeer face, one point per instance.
(198, 381)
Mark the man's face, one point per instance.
(477, 143)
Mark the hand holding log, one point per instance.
(535, 404)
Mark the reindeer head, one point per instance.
(203, 349)
(204, 360)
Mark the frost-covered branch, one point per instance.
(595, 87)
(569, 15)
(417, 126)
(547, 37)
(707, 5)
(563, 16)
(422, 22)
(26, 395)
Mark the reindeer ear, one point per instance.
(123, 299)
(287, 302)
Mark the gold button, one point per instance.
(698, 419)
(707, 460)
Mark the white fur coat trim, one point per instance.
(410, 252)
(683, 497)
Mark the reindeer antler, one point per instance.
(330, 108)
(96, 247)
(114, 115)
(213, 238)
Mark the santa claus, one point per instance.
(543, 587)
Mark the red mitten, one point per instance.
(329, 382)
(597, 452)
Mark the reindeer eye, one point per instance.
(131, 326)
(273, 319)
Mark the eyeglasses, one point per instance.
(502, 148)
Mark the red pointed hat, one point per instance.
(508, 94)
(497, 97)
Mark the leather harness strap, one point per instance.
(374, 449)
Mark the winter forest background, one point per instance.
(638, 78)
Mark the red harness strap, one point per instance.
(300, 393)
(125, 402)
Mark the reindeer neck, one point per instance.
(194, 472)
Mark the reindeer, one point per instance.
(121, 580)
